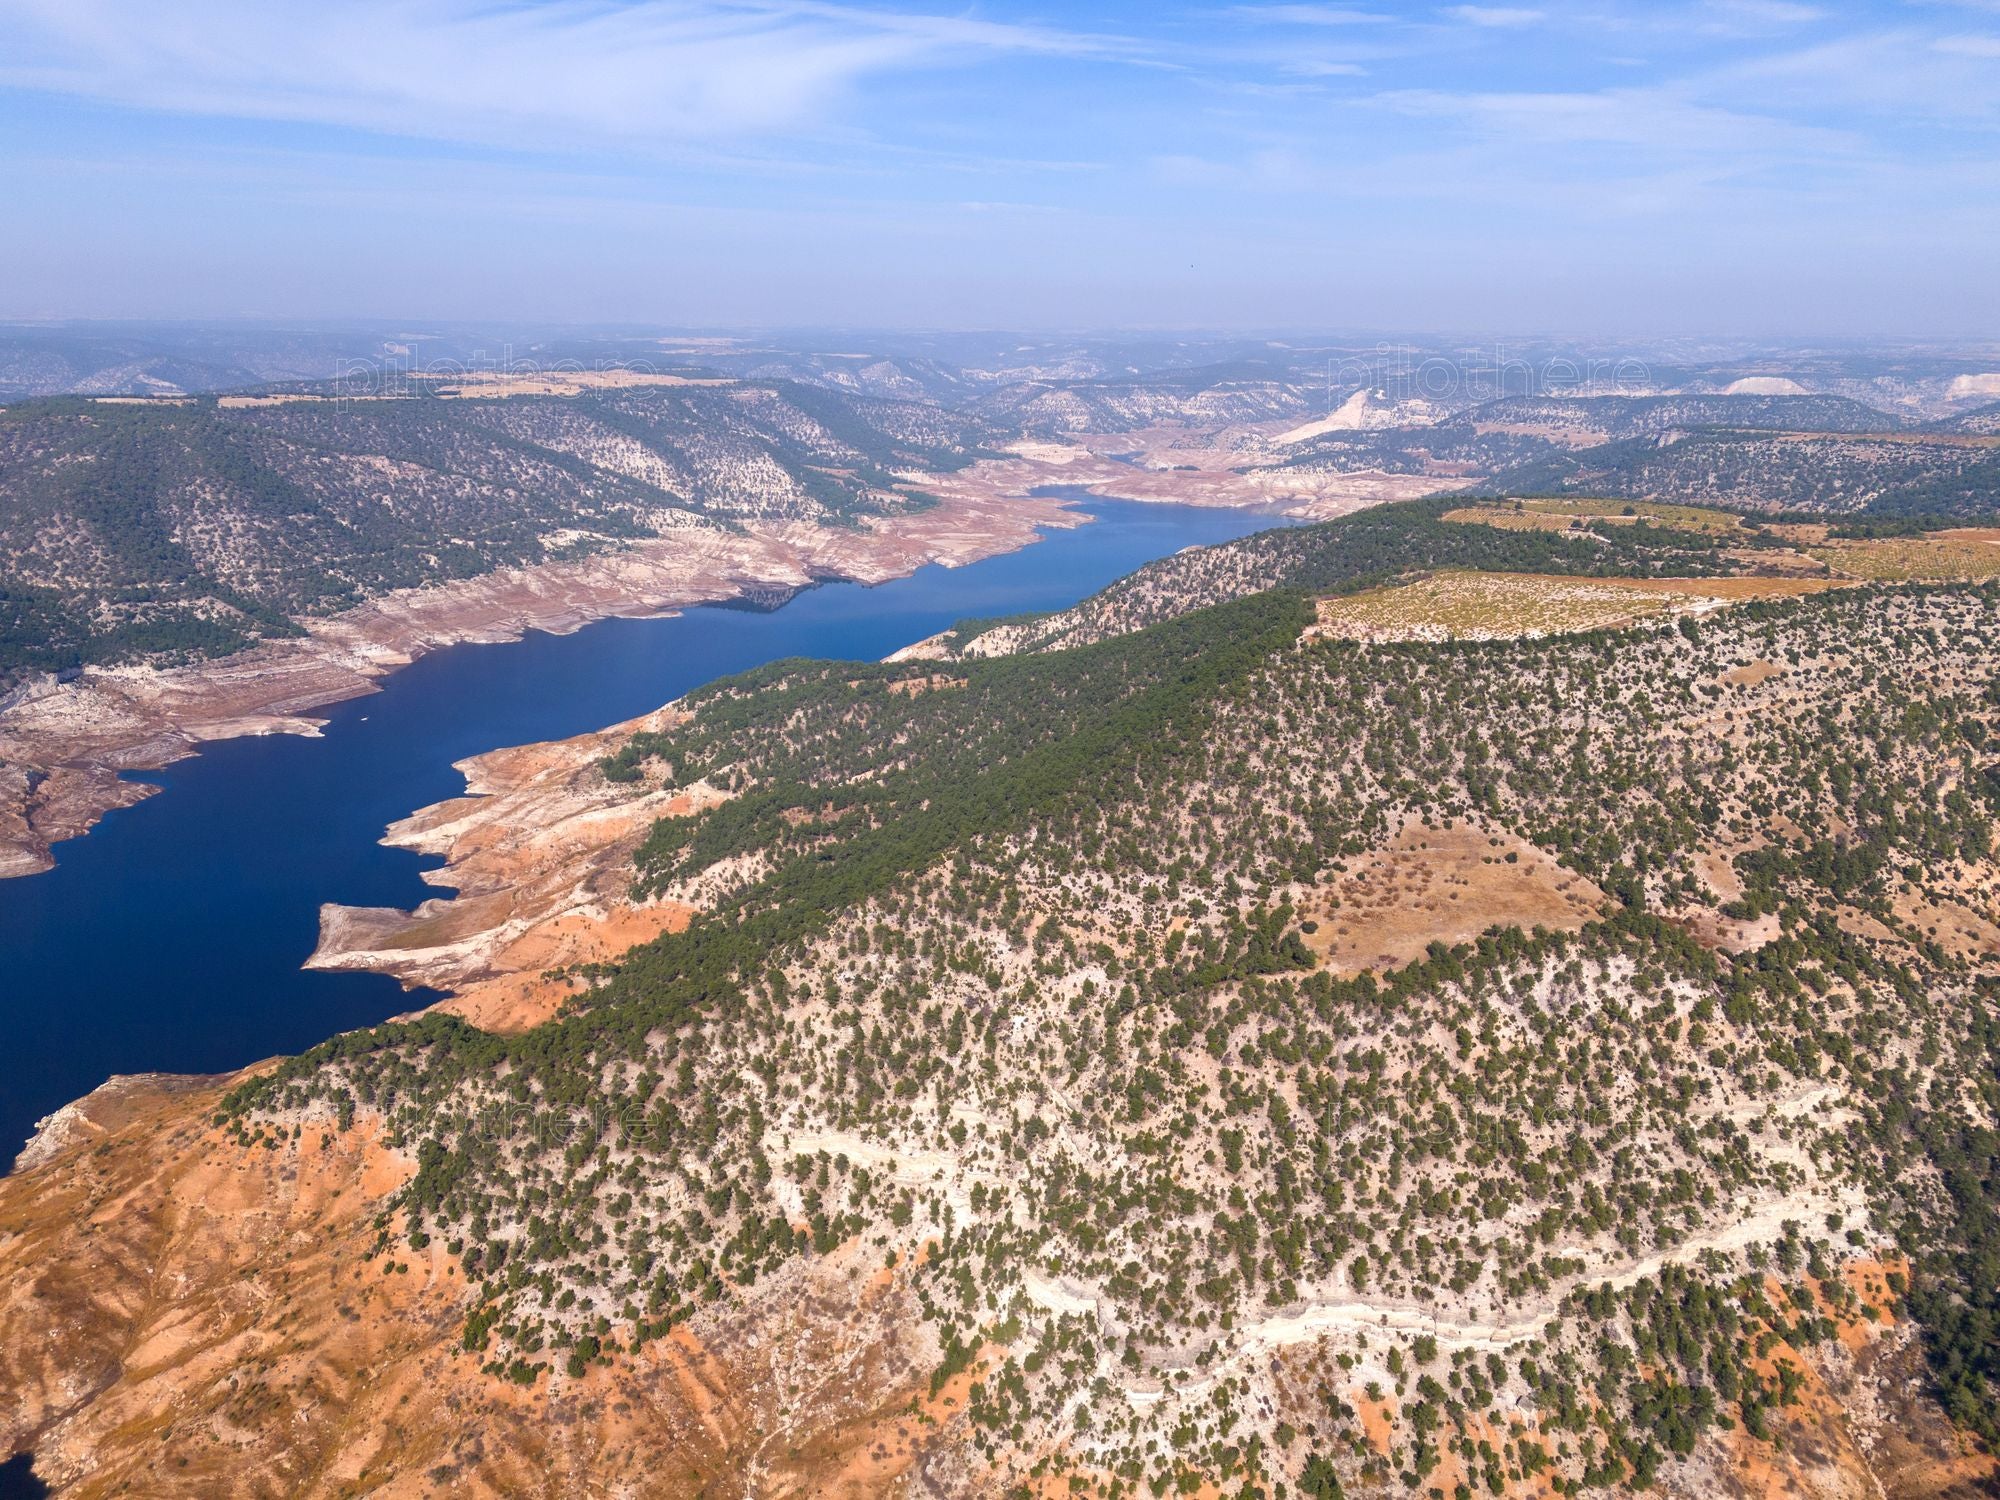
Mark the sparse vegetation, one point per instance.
(1011, 986)
(166, 531)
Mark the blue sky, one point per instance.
(1759, 167)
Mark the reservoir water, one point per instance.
(170, 939)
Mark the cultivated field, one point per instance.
(1968, 553)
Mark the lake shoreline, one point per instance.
(64, 751)
(262, 909)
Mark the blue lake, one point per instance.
(170, 938)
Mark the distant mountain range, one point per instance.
(142, 514)
(198, 525)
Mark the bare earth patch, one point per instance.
(1750, 674)
(187, 1316)
(1964, 931)
(1445, 885)
(295, 398)
(1507, 518)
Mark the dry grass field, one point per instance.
(495, 383)
(1500, 606)
(1966, 553)
(1566, 515)
(1969, 553)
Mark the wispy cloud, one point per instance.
(749, 146)
(1657, 122)
(1768, 12)
(1896, 76)
(1313, 15)
(662, 70)
(1310, 67)
(1496, 16)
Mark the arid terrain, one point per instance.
(987, 750)
(1491, 990)
(63, 745)
(538, 855)
(1464, 1048)
(191, 1316)
(162, 550)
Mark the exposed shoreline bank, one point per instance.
(63, 751)
(537, 846)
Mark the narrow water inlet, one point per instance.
(18, 1481)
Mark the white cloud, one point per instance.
(1897, 76)
(658, 70)
(1969, 46)
(1770, 12)
(1313, 15)
(1498, 16)
(1653, 121)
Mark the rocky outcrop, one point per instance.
(539, 856)
(185, 1315)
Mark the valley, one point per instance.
(1485, 987)
(1083, 1110)
(185, 567)
(823, 751)
(62, 746)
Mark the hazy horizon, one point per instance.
(1708, 343)
(1758, 169)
